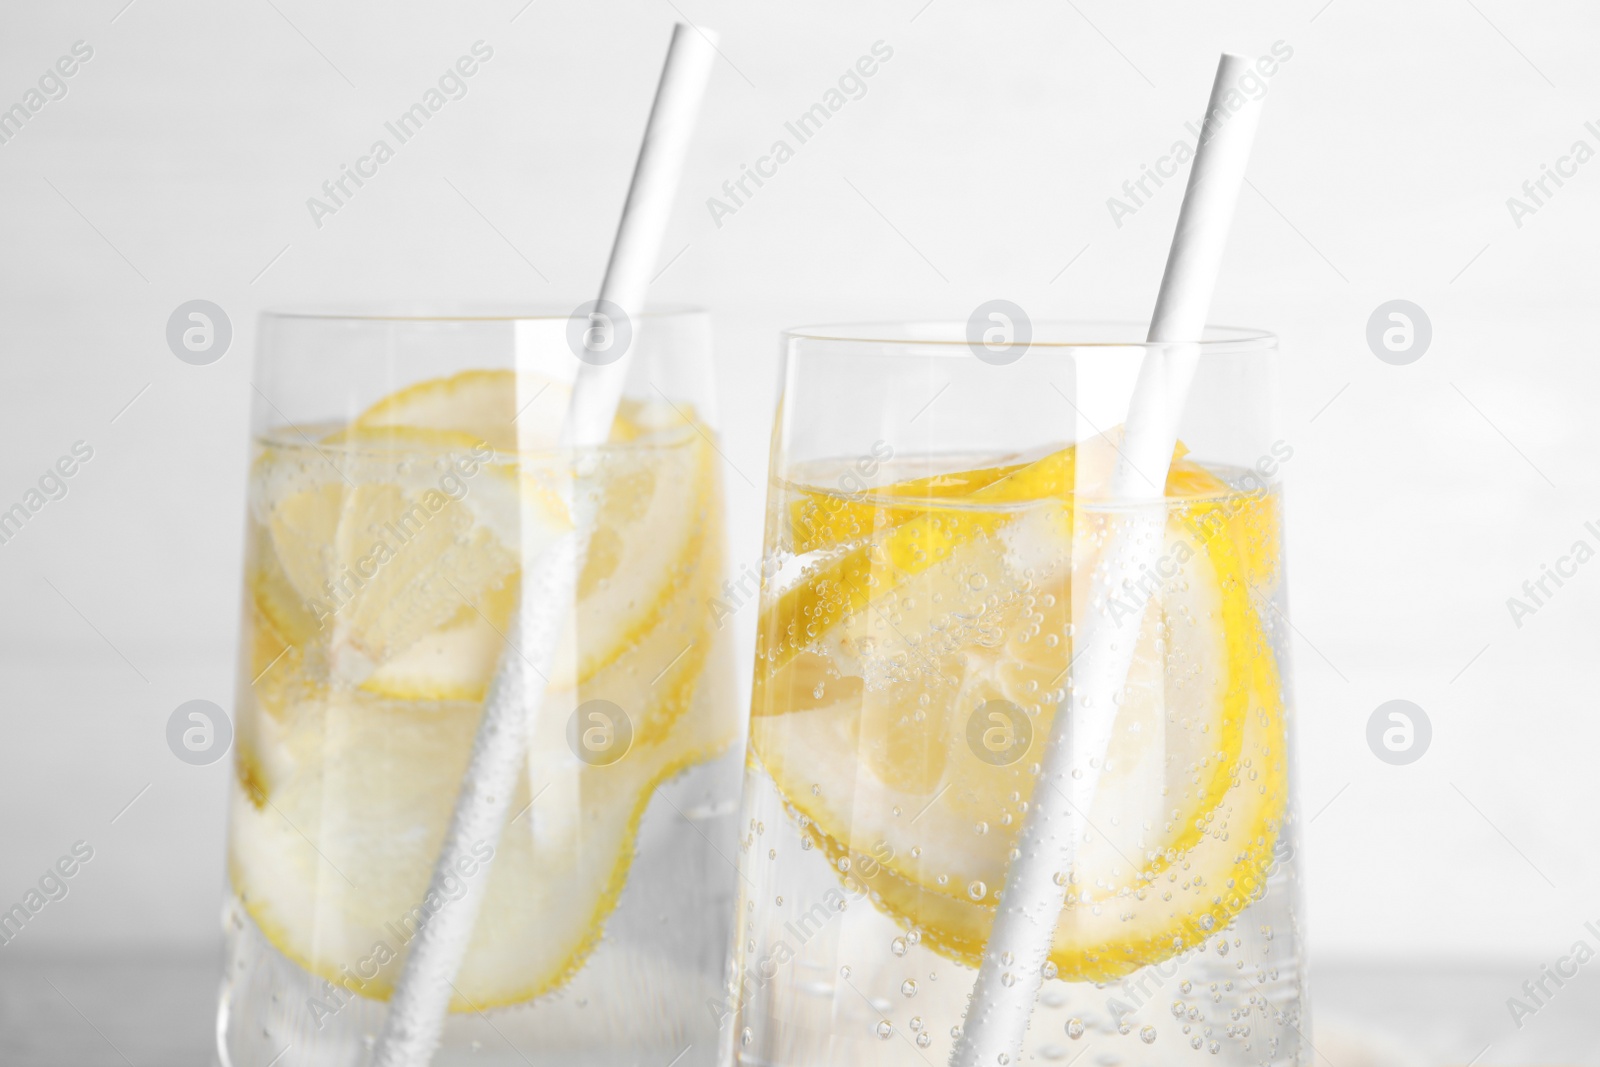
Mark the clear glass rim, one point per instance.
(446, 312)
(949, 337)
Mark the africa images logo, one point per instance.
(1252, 85)
(52, 485)
(452, 85)
(851, 85)
(52, 86)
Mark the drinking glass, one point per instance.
(938, 505)
(404, 469)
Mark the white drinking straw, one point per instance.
(422, 997)
(1037, 881)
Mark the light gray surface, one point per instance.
(117, 1011)
(977, 165)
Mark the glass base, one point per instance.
(828, 980)
(652, 992)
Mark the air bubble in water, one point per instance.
(1147, 1034)
(898, 946)
(977, 890)
(884, 1030)
(924, 1040)
(1074, 1028)
(747, 1036)
(908, 987)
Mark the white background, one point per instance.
(977, 165)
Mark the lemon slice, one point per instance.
(481, 403)
(343, 525)
(368, 669)
(343, 798)
(654, 512)
(903, 709)
(817, 519)
(343, 802)
(821, 519)
(918, 538)
(1105, 934)
(941, 513)
(454, 662)
(370, 549)
(889, 650)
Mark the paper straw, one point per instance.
(644, 222)
(421, 999)
(1037, 881)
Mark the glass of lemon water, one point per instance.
(403, 467)
(938, 504)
